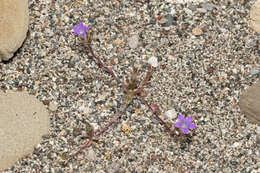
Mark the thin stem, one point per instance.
(155, 113)
(145, 81)
(148, 76)
(89, 142)
(113, 120)
(107, 68)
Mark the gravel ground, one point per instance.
(207, 57)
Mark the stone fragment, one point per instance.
(168, 20)
(133, 41)
(254, 71)
(95, 126)
(162, 20)
(255, 16)
(208, 6)
(114, 167)
(202, 10)
(153, 61)
(23, 122)
(250, 103)
(236, 144)
(126, 128)
(91, 155)
(118, 42)
(14, 21)
(170, 114)
(196, 31)
(53, 106)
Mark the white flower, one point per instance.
(153, 61)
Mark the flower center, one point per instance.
(81, 31)
(183, 125)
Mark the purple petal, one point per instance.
(87, 28)
(180, 117)
(81, 25)
(75, 28)
(189, 118)
(178, 124)
(192, 126)
(83, 34)
(185, 130)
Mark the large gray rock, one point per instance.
(250, 103)
(255, 16)
(14, 21)
(23, 121)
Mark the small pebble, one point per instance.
(162, 20)
(91, 155)
(46, 102)
(171, 114)
(196, 31)
(126, 128)
(133, 41)
(95, 126)
(208, 6)
(202, 10)
(114, 167)
(118, 42)
(167, 21)
(254, 71)
(153, 61)
(236, 144)
(53, 106)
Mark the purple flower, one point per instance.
(80, 30)
(185, 123)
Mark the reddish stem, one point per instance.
(112, 121)
(107, 68)
(155, 113)
(146, 80)
(87, 144)
(147, 77)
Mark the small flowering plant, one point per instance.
(132, 89)
(184, 124)
(80, 30)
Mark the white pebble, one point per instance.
(153, 61)
(133, 41)
(53, 106)
(91, 155)
(254, 71)
(170, 114)
(236, 144)
(95, 126)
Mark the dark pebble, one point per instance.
(46, 136)
(171, 21)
